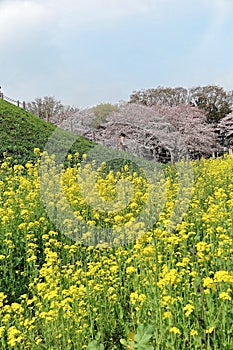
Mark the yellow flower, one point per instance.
(2, 329)
(223, 276)
(209, 330)
(224, 296)
(131, 269)
(135, 297)
(193, 332)
(189, 309)
(13, 336)
(118, 219)
(167, 314)
(142, 298)
(208, 282)
(36, 150)
(174, 330)
(38, 340)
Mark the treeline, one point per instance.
(214, 100)
(163, 123)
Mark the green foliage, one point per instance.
(21, 132)
(95, 344)
(141, 339)
(101, 112)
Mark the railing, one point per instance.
(11, 100)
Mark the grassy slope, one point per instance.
(21, 132)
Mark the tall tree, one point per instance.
(45, 108)
(211, 98)
(225, 130)
(214, 100)
(161, 95)
(191, 122)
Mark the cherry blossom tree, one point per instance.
(162, 133)
(65, 113)
(159, 132)
(80, 123)
(211, 98)
(191, 122)
(225, 130)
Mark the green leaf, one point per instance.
(94, 345)
(143, 336)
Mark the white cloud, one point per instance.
(18, 15)
(20, 20)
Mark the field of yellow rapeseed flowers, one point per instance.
(161, 288)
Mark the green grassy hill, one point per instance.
(21, 132)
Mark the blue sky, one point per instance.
(85, 52)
